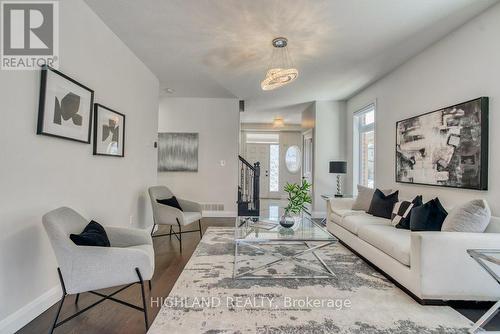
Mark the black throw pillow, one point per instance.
(172, 201)
(428, 217)
(401, 214)
(382, 205)
(93, 235)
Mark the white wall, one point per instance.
(41, 173)
(217, 122)
(462, 66)
(308, 117)
(329, 144)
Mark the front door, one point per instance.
(260, 153)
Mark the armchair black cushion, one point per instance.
(92, 235)
(172, 201)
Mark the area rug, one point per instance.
(206, 298)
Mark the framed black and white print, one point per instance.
(65, 107)
(109, 132)
(446, 147)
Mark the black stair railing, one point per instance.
(248, 188)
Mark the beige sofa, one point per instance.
(431, 266)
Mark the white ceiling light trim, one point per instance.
(281, 71)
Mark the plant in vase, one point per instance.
(298, 196)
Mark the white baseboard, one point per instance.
(30, 311)
(217, 214)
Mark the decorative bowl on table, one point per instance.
(287, 221)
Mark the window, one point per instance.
(274, 167)
(292, 159)
(308, 155)
(262, 138)
(274, 212)
(364, 148)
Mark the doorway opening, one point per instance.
(270, 157)
(264, 148)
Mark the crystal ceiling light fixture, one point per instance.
(281, 71)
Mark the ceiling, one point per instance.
(221, 49)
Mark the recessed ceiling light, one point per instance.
(278, 122)
(169, 90)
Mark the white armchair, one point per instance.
(129, 260)
(166, 215)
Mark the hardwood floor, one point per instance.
(110, 317)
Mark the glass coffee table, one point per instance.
(301, 240)
(489, 260)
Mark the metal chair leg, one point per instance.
(199, 225)
(54, 323)
(153, 229)
(77, 298)
(150, 285)
(170, 232)
(144, 305)
(57, 314)
(180, 234)
(180, 238)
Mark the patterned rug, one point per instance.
(206, 298)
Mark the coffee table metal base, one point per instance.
(478, 326)
(325, 273)
(482, 256)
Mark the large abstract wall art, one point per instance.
(65, 107)
(177, 152)
(446, 147)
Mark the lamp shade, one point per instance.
(338, 167)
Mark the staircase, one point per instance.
(248, 188)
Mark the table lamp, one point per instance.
(339, 168)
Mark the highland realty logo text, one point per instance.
(30, 34)
(250, 302)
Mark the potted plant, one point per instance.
(298, 196)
